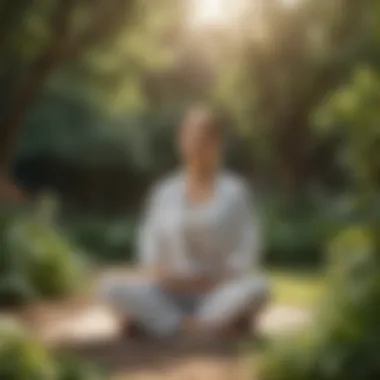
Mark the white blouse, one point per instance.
(218, 237)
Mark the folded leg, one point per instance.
(233, 300)
(143, 302)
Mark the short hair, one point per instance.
(208, 117)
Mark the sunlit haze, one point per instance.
(215, 12)
(205, 13)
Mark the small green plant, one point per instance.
(36, 261)
(22, 358)
(71, 369)
(344, 341)
(105, 240)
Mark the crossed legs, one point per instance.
(232, 305)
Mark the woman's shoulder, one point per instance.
(234, 185)
(166, 186)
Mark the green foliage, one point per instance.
(156, 63)
(36, 260)
(296, 241)
(344, 341)
(104, 239)
(72, 131)
(71, 369)
(353, 113)
(288, 359)
(15, 290)
(29, 26)
(284, 66)
(296, 231)
(22, 358)
(292, 236)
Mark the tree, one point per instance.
(66, 29)
(286, 63)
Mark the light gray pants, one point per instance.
(160, 312)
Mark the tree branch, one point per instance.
(107, 18)
(62, 48)
(28, 86)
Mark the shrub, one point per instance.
(345, 339)
(22, 358)
(295, 233)
(104, 239)
(15, 290)
(36, 260)
(71, 369)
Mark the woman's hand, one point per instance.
(187, 285)
(174, 282)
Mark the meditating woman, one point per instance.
(199, 244)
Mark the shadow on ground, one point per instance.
(92, 333)
(88, 330)
(121, 355)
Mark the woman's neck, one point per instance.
(202, 176)
(200, 184)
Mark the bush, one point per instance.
(36, 260)
(22, 358)
(71, 369)
(104, 239)
(295, 242)
(296, 232)
(288, 358)
(345, 339)
(15, 290)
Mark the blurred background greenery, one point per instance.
(91, 93)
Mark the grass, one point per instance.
(296, 288)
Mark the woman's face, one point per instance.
(200, 144)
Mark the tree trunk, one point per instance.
(29, 86)
(25, 93)
(293, 146)
(107, 15)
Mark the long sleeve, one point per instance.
(161, 240)
(246, 255)
(149, 245)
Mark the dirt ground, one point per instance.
(88, 330)
(92, 333)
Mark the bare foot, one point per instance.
(132, 330)
(193, 330)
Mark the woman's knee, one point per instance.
(108, 290)
(116, 291)
(259, 288)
